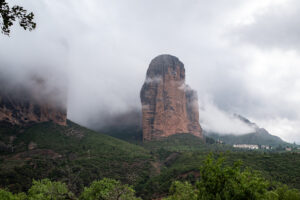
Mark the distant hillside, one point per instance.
(261, 136)
(182, 142)
(130, 133)
(72, 154)
(125, 126)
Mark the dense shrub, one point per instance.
(220, 182)
(6, 195)
(108, 189)
(48, 190)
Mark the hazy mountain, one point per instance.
(261, 136)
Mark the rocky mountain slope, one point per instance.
(34, 102)
(169, 106)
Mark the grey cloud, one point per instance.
(214, 119)
(275, 27)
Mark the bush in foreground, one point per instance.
(220, 182)
(105, 189)
(108, 189)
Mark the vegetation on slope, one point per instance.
(216, 181)
(105, 189)
(71, 154)
(131, 133)
(223, 182)
(259, 137)
(77, 156)
(181, 155)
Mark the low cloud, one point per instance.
(35, 86)
(213, 119)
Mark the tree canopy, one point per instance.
(8, 15)
(217, 181)
(220, 182)
(108, 189)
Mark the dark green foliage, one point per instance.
(71, 154)
(132, 134)
(180, 161)
(8, 15)
(6, 195)
(218, 181)
(178, 143)
(276, 167)
(105, 189)
(209, 140)
(78, 156)
(284, 193)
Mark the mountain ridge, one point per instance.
(260, 136)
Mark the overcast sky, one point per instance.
(241, 56)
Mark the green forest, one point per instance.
(48, 161)
(216, 181)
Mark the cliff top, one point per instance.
(160, 64)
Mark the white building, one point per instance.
(246, 146)
(266, 147)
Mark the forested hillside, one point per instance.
(78, 156)
(72, 154)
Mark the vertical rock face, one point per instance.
(169, 106)
(23, 105)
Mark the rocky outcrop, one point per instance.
(169, 106)
(31, 103)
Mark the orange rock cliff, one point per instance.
(169, 106)
(24, 105)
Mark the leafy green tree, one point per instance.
(284, 193)
(21, 196)
(6, 195)
(8, 15)
(219, 182)
(48, 190)
(108, 189)
(180, 191)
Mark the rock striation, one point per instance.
(31, 103)
(169, 106)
